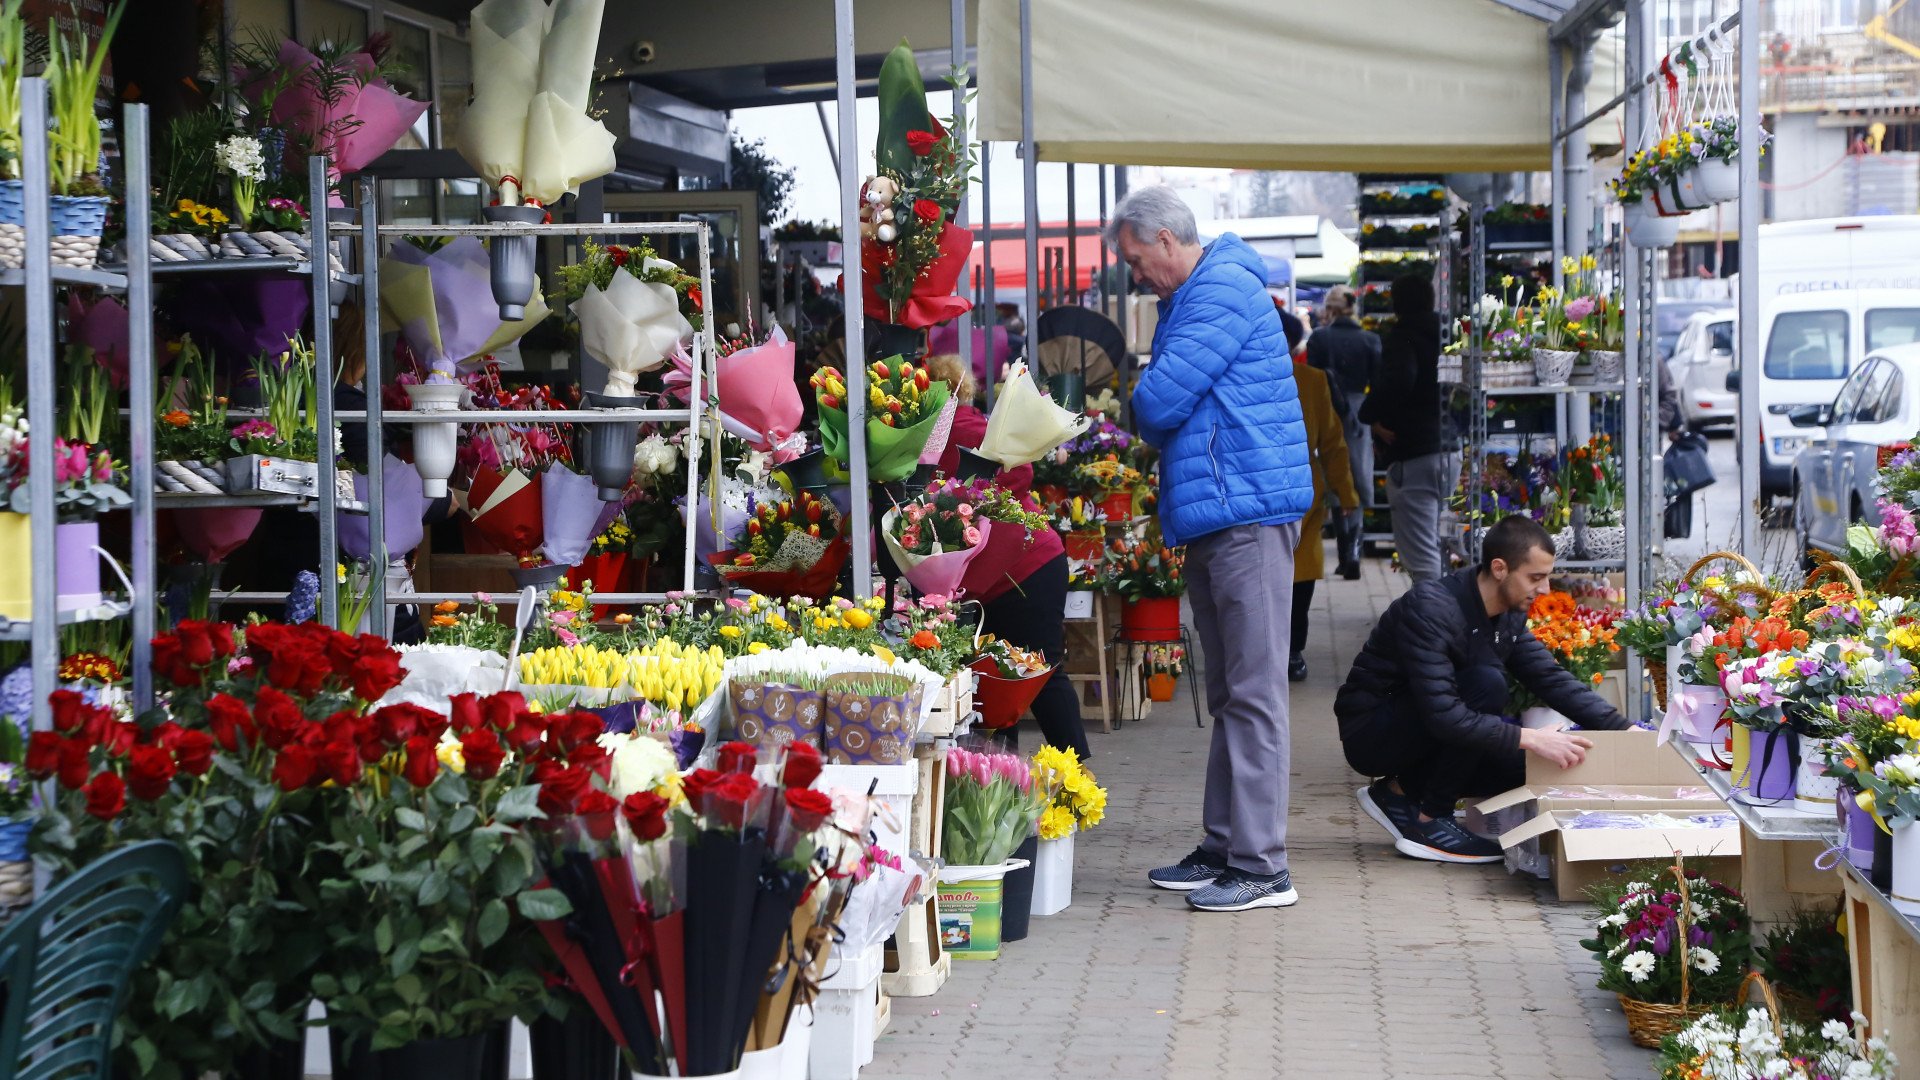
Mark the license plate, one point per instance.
(1787, 447)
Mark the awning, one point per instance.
(1363, 86)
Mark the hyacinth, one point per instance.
(242, 156)
(302, 601)
(16, 696)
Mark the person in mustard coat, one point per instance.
(1332, 476)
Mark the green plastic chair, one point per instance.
(65, 961)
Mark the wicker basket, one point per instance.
(1553, 367)
(1657, 671)
(1649, 1022)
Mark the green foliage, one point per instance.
(754, 169)
(73, 78)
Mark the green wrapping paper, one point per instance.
(892, 453)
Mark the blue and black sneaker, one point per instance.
(1237, 890)
(1197, 869)
(1393, 811)
(1445, 840)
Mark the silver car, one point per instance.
(1875, 414)
(1702, 357)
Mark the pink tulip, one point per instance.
(956, 764)
(982, 771)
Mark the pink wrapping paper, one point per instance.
(382, 113)
(215, 533)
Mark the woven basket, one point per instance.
(1649, 1022)
(1553, 367)
(1609, 366)
(1657, 671)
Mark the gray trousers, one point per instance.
(1418, 491)
(1359, 448)
(1240, 584)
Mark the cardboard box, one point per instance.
(1625, 772)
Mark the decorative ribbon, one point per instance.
(1750, 782)
(1690, 705)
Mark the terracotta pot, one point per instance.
(1160, 686)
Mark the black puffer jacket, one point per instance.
(1405, 399)
(1440, 627)
(1347, 353)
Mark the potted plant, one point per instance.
(1165, 665)
(1580, 638)
(992, 804)
(1890, 791)
(191, 430)
(78, 213)
(281, 451)
(87, 484)
(1671, 945)
(1114, 481)
(1517, 223)
(1646, 225)
(1010, 678)
(1071, 802)
(1150, 580)
(1594, 493)
(1759, 1043)
(13, 196)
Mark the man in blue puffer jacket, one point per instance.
(1235, 479)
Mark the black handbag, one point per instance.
(1688, 468)
(1677, 523)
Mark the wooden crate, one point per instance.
(1883, 947)
(916, 964)
(951, 708)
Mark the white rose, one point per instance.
(636, 763)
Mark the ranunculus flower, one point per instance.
(294, 768)
(483, 752)
(106, 796)
(150, 772)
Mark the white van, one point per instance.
(1831, 291)
(1809, 343)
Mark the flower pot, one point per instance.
(1553, 367)
(1646, 228)
(480, 1056)
(1858, 831)
(1087, 545)
(808, 472)
(1671, 673)
(1694, 713)
(1903, 877)
(77, 222)
(1609, 366)
(760, 1064)
(1079, 605)
(510, 259)
(16, 566)
(16, 865)
(1016, 907)
(1118, 507)
(1053, 876)
(541, 578)
(798, 1043)
(774, 716)
(1049, 494)
(1814, 789)
(1717, 181)
(1154, 618)
(970, 902)
(1881, 874)
(1069, 389)
(13, 224)
(76, 565)
(1772, 757)
(1160, 686)
(436, 443)
(610, 447)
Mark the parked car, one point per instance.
(1702, 356)
(1878, 408)
(1671, 319)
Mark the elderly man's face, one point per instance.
(1155, 263)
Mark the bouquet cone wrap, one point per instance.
(240, 319)
(816, 581)
(892, 453)
(631, 326)
(1001, 700)
(937, 574)
(569, 514)
(1001, 547)
(874, 907)
(1026, 424)
(757, 391)
(506, 508)
(533, 76)
(933, 300)
(406, 512)
(442, 304)
(773, 716)
(215, 534)
(871, 729)
(379, 114)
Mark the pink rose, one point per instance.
(971, 536)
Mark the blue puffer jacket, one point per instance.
(1220, 403)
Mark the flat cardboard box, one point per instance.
(1625, 772)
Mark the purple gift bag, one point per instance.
(1771, 765)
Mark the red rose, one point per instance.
(70, 710)
(74, 766)
(106, 796)
(43, 754)
(573, 730)
(597, 808)
(300, 667)
(646, 815)
(528, 729)
(194, 749)
(695, 784)
(195, 649)
(227, 716)
(150, 772)
(729, 800)
(590, 756)
(808, 809)
(168, 664)
(737, 757)
(499, 710)
(280, 720)
(483, 752)
(294, 768)
(166, 734)
(214, 640)
(340, 762)
(561, 787)
(423, 764)
(375, 673)
(465, 712)
(802, 767)
(922, 142)
(617, 254)
(343, 650)
(114, 736)
(398, 724)
(926, 210)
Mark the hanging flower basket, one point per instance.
(1647, 228)
(1553, 367)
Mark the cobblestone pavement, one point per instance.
(1387, 967)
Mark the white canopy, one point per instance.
(1360, 85)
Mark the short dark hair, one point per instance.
(1412, 295)
(1511, 539)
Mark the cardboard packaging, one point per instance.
(1625, 773)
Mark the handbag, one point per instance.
(1688, 468)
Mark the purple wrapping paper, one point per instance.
(102, 327)
(569, 510)
(864, 729)
(237, 319)
(462, 301)
(406, 506)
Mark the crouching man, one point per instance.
(1424, 707)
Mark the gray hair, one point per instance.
(1148, 210)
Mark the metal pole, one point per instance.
(704, 368)
(140, 396)
(318, 242)
(42, 420)
(376, 433)
(992, 302)
(1749, 443)
(833, 151)
(1556, 121)
(854, 299)
(957, 39)
(1105, 295)
(1073, 241)
(1030, 174)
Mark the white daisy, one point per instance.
(1704, 961)
(1639, 966)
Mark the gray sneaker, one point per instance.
(1237, 890)
(1197, 869)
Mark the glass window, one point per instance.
(1808, 345)
(1887, 327)
(1873, 401)
(453, 82)
(1849, 397)
(413, 55)
(332, 21)
(1892, 398)
(1722, 337)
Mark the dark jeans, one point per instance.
(1032, 616)
(1302, 602)
(1397, 743)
